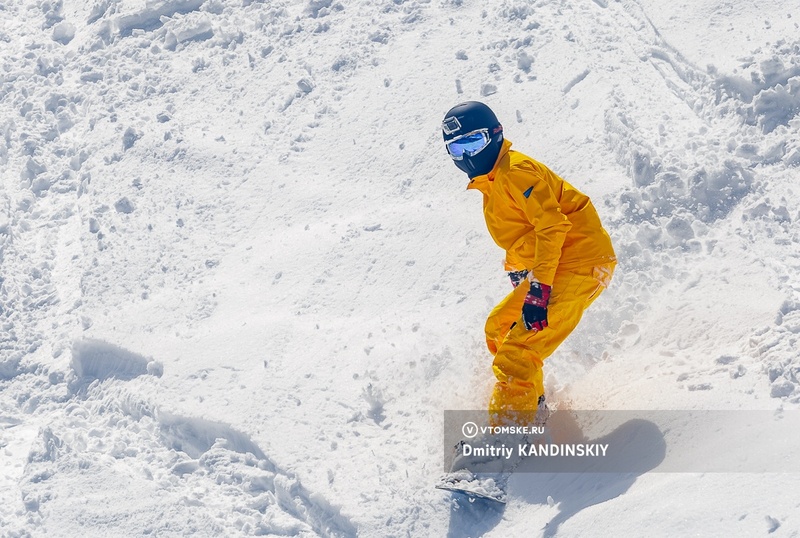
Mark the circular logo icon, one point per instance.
(469, 429)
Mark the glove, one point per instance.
(534, 310)
(517, 277)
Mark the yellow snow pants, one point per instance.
(519, 353)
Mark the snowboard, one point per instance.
(489, 483)
(474, 487)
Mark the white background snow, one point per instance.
(240, 280)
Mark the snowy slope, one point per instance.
(241, 280)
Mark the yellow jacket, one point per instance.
(542, 222)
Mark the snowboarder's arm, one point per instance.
(530, 189)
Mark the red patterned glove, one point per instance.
(534, 310)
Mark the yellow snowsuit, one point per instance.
(551, 229)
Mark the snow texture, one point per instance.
(96, 359)
(240, 279)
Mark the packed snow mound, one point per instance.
(182, 468)
(95, 359)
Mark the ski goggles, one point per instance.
(468, 145)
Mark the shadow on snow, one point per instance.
(641, 447)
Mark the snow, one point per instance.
(240, 280)
(95, 359)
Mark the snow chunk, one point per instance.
(46, 448)
(9, 367)
(185, 467)
(488, 89)
(130, 137)
(306, 85)
(642, 168)
(155, 368)
(33, 168)
(793, 158)
(525, 61)
(124, 205)
(63, 32)
(516, 11)
(192, 27)
(343, 62)
(319, 8)
(53, 12)
(773, 524)
(716, 192)
(680, 229)
(781, 388)
(576, 80)
(151, 16)
(776, 106)
(374, 397)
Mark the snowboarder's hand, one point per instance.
(534, 310)
(517, 277)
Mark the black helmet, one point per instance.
(473, 137)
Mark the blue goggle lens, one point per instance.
(468, 145)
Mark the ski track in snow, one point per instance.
(221, 316)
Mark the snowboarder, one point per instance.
(558, 256)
